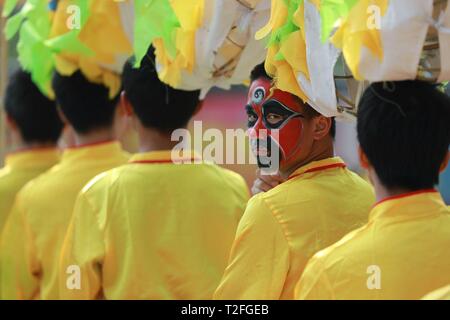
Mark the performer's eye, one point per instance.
(275, 114)
(252, 117)
(274, 118)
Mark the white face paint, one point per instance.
(258, 95)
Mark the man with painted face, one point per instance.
(275, 128)
(320, 201)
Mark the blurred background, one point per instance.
(222, 110)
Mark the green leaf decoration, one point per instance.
(154, 19)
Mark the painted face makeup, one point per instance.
(274, 122)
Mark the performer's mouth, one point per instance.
(262, 149)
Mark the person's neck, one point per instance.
(325, 151)
(32, 146)
(153, 140)
(17, 144)
(381, 192)
(97, 136)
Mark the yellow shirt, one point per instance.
(153, 230)
(282, 228)
(20, 168)
(441, 294)
(402, 253)
(35, 230)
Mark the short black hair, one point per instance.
(260, 72)
(86, 105)
(404, 129)
(157, 105)
(35, 115)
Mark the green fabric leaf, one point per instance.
(154, 19)
(13, 24)
(280, 34)
(34, 56)
(279, 56)
(36, 51)
(331, 11)
(69, 43)
(9, 7)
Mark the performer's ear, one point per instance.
(322, 127)
(363, 160)
(125, 104)
(444, 163)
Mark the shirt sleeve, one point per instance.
(82, 253)
(259, 259)
(19, 266)
(314, 283)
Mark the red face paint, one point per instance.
(273, 116)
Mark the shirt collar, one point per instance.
(423, 202)
(96, 150)
(33, 158)
(319, 165)
(165, 156)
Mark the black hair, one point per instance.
(260, 72)
(404, 129)
(35, 115)
(157, 105)
(86, 105)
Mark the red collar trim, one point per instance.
(321, 168)
(31, 149)
(405, 195)
(181, 160)
(93, 144)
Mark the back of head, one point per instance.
(404, 129)
(34, 114)
(86, 105)
(157, 105)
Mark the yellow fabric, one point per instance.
(441, 294)
(159, 230)
(282, 228)
(190, 14)
(20, 168)
(316, 3)
(104, 21)
(278, 15)
(35, 230)
(356, 33)
(285, 71)
(407, 238)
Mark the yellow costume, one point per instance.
(402, 253)
(35, 230)
(158, 230)
(20, 168)
(441, 294)
(282, 228)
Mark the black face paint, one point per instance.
(275, 114)
(264, 158)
